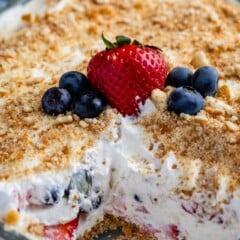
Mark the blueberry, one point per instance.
(89, 203)
(75, 82)
(80, 181)
(96, 202)
(55, 195)
(52, 196)
(56, 100)
(43, 195)
(88, 105)
(179, 76)
(185, 100)
(205, 81)
(137, 198)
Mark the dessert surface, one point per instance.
(186, 162)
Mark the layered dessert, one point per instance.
(98, 131)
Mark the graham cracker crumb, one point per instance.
(159, 99)
(237, 69)
(64, 119)
(232, 126)
(35, 229)
(200, 59)
(29, 18)
(225, 92)
(200, 119)
(214, 112)
(12, 217)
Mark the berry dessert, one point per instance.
(98, 133)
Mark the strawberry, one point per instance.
(173, 231)
(126, 72)
(61, 231)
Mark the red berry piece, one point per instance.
(173, 232)
(61, 231)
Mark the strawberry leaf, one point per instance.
(108, 44)
(136, 42)
(122, 40)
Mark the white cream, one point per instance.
(11, 19)
(8, 200)
(8, 26)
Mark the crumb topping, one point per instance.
(210, 140)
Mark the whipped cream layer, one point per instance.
(133, 184)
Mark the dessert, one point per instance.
(173, 174)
